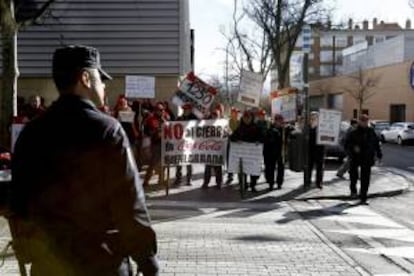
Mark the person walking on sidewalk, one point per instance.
(274, 139)
(76, 199)
(247, 132)
(362, 146)
(187, 116)
(345, 166)
(316, 152)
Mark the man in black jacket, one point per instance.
(362, 146)
(273, 146)
(75, 186)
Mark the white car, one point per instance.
(398, 133)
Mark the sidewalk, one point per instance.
(215, 232)
(384, 182)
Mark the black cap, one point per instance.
(76, 57)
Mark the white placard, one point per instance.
(126, 116)
(285, 105)
(139, 87)
(195, 91)
(251, 85)
(195, 141)
(251, 155)
(328, 127)
(296, 70)
(16, 130)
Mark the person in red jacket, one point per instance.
(152, 128)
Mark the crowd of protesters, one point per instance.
(251, 125)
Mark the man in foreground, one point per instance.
(77, 202)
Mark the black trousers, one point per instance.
(270, 166)
(218, 171)
(253, 179)
(154, 163)
(316, 160)
(365, 178)
(179, 172)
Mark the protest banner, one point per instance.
(251, 155)
(328, 127)
(194, 142)
(139, 87)
(193, 90)
(283, 102)
(251, 85)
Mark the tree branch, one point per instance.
(39, 13)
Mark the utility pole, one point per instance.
(306, 47)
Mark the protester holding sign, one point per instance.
(218, 170)
(123, 112)
(153, 129)
(274, 140)
(187, 116)
(247, 131)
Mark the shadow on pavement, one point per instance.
(335, 210)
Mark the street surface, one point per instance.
(291, 231)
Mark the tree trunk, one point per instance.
(10, 73)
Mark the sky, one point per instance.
(208, 17)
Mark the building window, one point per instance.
(325, 70)
(326, 56)
(326, 41)
(355, 113)
(365, 111)
(341, 41)
(335, 101)
(379, 39)
(359, 39)
(397, 113)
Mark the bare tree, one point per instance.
(361, 87)
(14, 15)
(279, 23)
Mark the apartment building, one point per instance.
(384, 70)
(135, 37)
(328, 43)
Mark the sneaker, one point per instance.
(204, 186)
(253, 189)
(319, 186)
(188, 183)
(353, 195)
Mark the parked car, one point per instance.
(399, 133)
(338, 151)
(379, 126)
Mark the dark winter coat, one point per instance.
(74, 179)
(362, 145)
(247, 133)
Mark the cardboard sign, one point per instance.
(328, 127)
(16, 129)
(139, 87)
(126, 116)
(191, 142)
(193, 90)
(251, 155)
(251, 85)
(285, 104)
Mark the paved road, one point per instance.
(401, 157)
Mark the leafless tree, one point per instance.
(278, 25)
(14, 16)
(361, 87)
